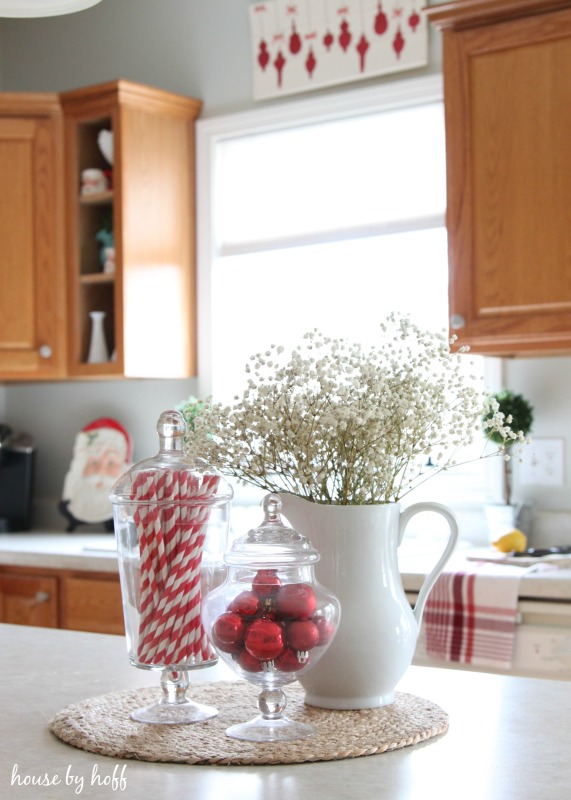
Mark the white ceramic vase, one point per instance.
(377, 634)
(98, 352)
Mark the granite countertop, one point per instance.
(97, 552)
(507, 738)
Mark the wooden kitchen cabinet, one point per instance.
(506, 67)
(29, 599)
(149, 298)
(53, 598)
(92, 603)
(33, 281)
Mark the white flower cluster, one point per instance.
(337, 423)
(495, 421)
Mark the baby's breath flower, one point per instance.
(335, 423)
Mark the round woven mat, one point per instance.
(102, 725)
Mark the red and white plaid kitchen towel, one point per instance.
(470, 616)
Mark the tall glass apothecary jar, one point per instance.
(171, 524)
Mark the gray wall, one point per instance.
(546, 382)
(196, 47)
(200, 48)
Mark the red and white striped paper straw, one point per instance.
(171, 531)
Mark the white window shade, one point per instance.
(343, 288)
(350, 176)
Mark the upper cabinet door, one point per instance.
(32, 295)
(508, 128)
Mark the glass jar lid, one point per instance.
(272, 543)
(170, 476)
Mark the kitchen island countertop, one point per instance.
(507, 739)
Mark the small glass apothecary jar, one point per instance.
(271, 620)
(171, 524)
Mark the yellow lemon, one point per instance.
(514, 541)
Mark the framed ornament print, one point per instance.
(309, 44)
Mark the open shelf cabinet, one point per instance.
(149, 297)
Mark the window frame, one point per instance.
(279, 116)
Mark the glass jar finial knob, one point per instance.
(171, 428)
(272, 506)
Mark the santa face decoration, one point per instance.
(102, 453)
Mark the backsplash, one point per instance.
(53, 413)
(546, 383)
(550, 529)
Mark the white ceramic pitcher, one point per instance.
(375, 642)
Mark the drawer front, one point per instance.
(29, 600)
(92, 604)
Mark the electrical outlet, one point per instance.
(543, 463)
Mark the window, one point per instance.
(326, 213)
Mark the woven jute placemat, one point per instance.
(102, 725)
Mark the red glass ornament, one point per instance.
(228, 632)
(288, 661)
(295, 601)
(328, 40)
(248, 662)
(247, 604)
(266, 582)
(264, 639)
(302, 634)
(325, 628)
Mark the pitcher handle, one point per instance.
(431, 578)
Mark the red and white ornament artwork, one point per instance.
(307, 44)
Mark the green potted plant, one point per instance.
(518, 413)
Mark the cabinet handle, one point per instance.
(457, 321)
(41, 597)
(45, 351)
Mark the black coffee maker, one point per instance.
(16, 474)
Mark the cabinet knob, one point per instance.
(457, 321)
(45, 351)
